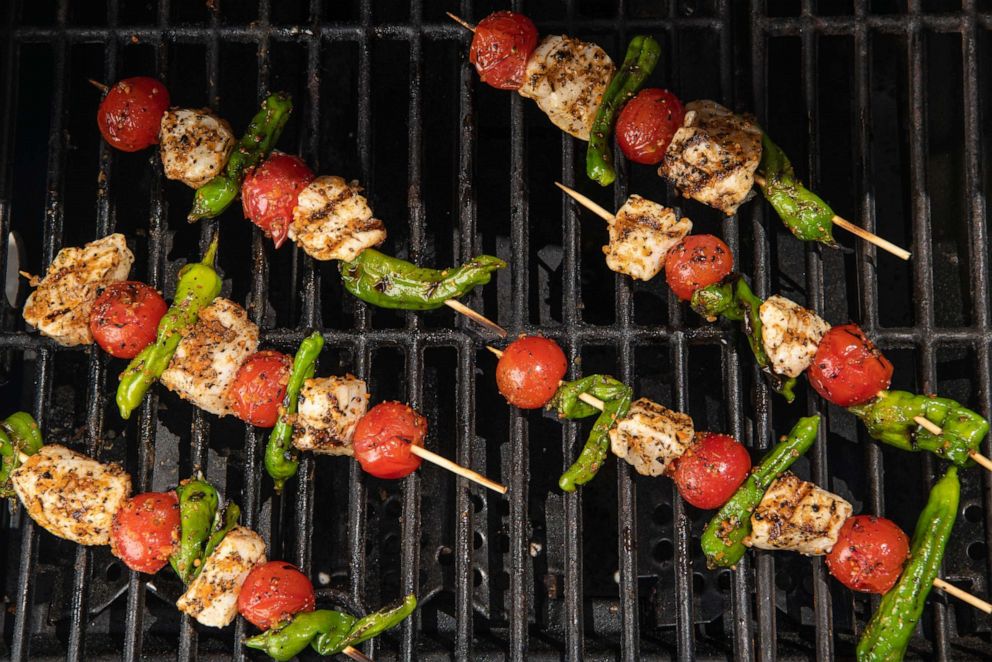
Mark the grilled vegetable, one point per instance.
(390, 282)
(501, 46)
(383, 438)
(869, 555)
(889, 419)
(273, 593)
(264, 130)
(529, 370)
(367, 627)
(145, 531)
(259, 388)
(124, 319)
(130, 114)
(848, 369)
(642, 56)
(696, 262)
(197, 508)
(199, 284)
(290, 640)
(647, 123)
(19, 433)
(723, 539)
(711, 470)
(889, 630)
(280, 458)
(270, 191)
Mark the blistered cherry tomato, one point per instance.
(269, 192)
(131, 113)
(647, 124)
(273, 593)
(869, 555)
(124, 318)
(383, 438)
(529, 371)
(711, 470)
(259, 387)
(500, 48)
(848, 369)
(695, 262)
(145, 531)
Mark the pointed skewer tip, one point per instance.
(460, 21)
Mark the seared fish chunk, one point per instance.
(712, 158)
(651, 437)
(212, 598)
(798, 516)
(71, 495)
(209, 355)
(60, 306)
(333, 221)
(790, 335)
(329, 409)
(195, 145)
(567, 79)
(641, 237)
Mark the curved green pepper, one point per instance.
(264, 130)
(889, 419)
(733, 299)
(288, 641)
(390, 282)
(19, 435)
(723, 539)
(199, 284)
(642, 56)
(890, 629)
(197, 509)
(281, 460)
(224, 520)
(365, 628)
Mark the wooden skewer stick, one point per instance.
(356, 654)
(590, 400)
(444, 462)
(977, 603)
(858, 231)
(461, 308)
(98, 85)
(587, 203)
(461, 21)
(933, 428)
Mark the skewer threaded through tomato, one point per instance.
(502, 44)
(695, 262)
(711, 470)
(848, 369)
(130, 114)
(145, 531)
(647, 124)
(124, 318)
(383, 438)
(259, 387)
(869, 555)
(529, 371)
(273, 593)
(269, 193)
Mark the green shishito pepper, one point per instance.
(889, 419)
(199, 284)
(367, 627)
(806, 215)
(197, 509)
(281, 460)
(890, 629)
(389, 282)
(19, 434)
(642, 56)
(733, 299)
(263, 132)
(616, 398)
(224, 520)
(723, 539)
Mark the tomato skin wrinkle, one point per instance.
(848, 369)
(129, 116)
(269, 193)
(273, 593)
(529, 371)
(124, 318)
(501, 45)
(383, 438)
(145, 531)
(695, 262)
(259, 387)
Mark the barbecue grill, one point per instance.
(880, 106)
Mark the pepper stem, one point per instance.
(210, 257)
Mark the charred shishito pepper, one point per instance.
(19, 436)
(198, 503)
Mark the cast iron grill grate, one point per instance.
(880, 106)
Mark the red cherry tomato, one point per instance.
(145, 531)
(131, 113)
(500, 48)
(869, 555)
(711, 470)
(695, 262)
(383, 439)
(647, 124)
(529, 371)
(848, 369)
(259, 388)
(269, 193)
(273, 593)
(124, 318)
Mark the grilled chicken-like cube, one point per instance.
(60, 306)
(712, 158)
(329, 409)
(798, 516)
(71, 495)
(212, 598)
(194, 145)
(333, 221)
(567, 78)
(209, 355)
(651, 437)
(790, 334)
(641, 237)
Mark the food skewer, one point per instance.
(588, 398)
(933, 428)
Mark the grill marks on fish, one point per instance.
(333, 221)
(194, 145)
(650, 437)
(790, 335)
(329, 409)
(640, 237)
